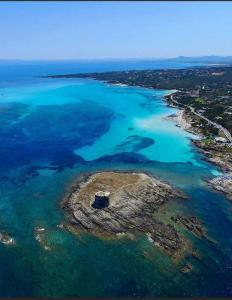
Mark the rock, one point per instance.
(223, 184)
(191, 224)
(39, 229)
(61, 226)
(6, 239)
(133, 199)
(218, 154)
(40, 237)
(186, 269)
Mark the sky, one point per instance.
(106, 30)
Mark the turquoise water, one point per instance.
(53, 130)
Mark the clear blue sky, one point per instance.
(69, 30)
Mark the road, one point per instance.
(216, 125)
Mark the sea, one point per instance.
(53, 130)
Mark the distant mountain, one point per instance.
(214, 59)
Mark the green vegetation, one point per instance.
(199, 101)
(208, 141)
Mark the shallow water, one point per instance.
(53, 130)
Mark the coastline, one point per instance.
(214, 153)
(188, 119)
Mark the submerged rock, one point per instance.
(39, 229)
(61, 226)
(6, 239)
(133, 198)
(191, 224)
(40, 237)
(187, 268)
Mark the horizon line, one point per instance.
(113, 58)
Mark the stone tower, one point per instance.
(102, 199)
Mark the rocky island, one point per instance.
(115, 203)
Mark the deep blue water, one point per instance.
(25, 70)
(51, 131)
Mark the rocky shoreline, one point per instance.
(223, 184)
(216, 153)
(132, 200)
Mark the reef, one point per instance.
(192, 224)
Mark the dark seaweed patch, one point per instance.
(125, 157)
(134, 143)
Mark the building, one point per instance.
(102, 199)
